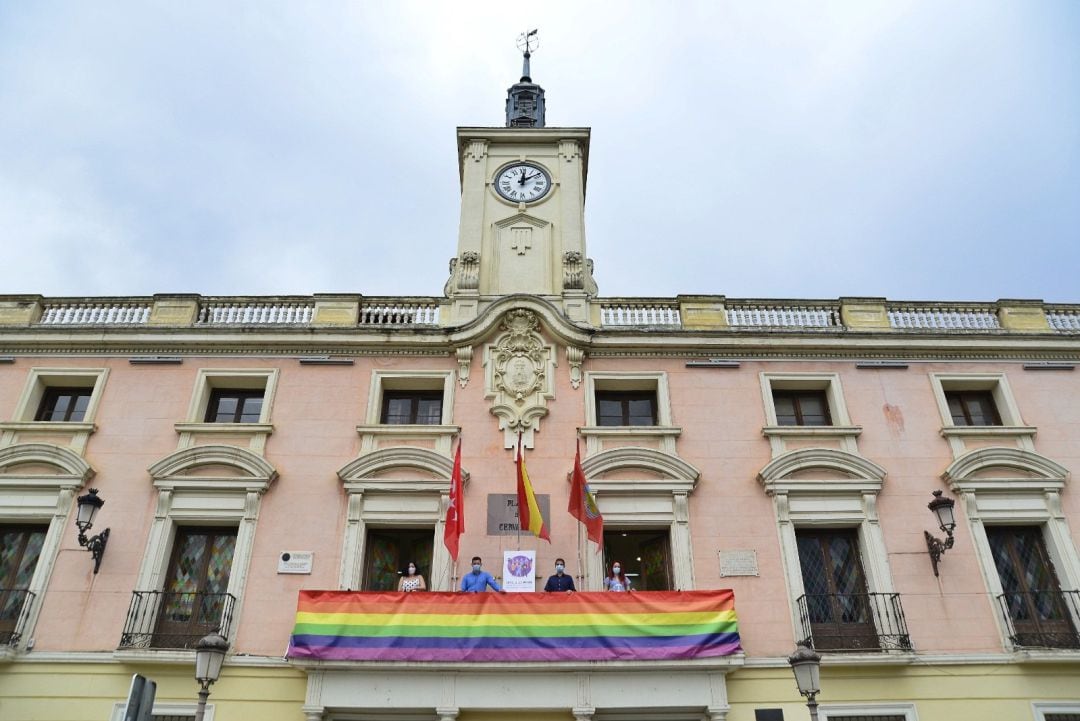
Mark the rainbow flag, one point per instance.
(486, 627)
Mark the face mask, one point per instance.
(412, 570)
(559, 568)
(476, 568)
(616, 570)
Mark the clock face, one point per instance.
(522, 183)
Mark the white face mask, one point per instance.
(476, 568)
(412, 570)
(616, 570)
(559, 568)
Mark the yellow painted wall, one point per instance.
(88, 691)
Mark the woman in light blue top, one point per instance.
(617, 580)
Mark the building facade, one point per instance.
(786, 450)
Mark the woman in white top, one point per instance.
(617, 580)
(411, 580)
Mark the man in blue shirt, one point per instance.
(479, 579)
(560, 581)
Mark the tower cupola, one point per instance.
(525, 99)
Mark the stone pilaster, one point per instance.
(336, 311)
(702, 312)
(20, 310)
(867, 314)
(174, 309)
(1022, 315)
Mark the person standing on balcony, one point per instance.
(617, 580)
(411, 580)
(560, 581)
(479, 579)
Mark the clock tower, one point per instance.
(522, 227)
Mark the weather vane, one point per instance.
(527, 42)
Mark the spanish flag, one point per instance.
(529, 517)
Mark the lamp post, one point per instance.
(209, 656)
(806, 665)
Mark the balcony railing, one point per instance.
(162, 619)
(640, 313)
(784, 315)
(15, 606)
(398, 312)
(853, 622)
(1046, 619)
(947, 317)
(102, 311)
(240, 311)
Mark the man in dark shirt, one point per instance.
(560, 581)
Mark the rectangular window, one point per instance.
(231, 405)
(412, 407)
(645, 557)
(837, 605)
(64, 404)
(20, 548)
(388, 552)
(195, 598)
(801, 408)
(625, 408)
(1037, 608)
(973, 408)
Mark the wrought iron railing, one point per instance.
(164, 619)
(15, 606)
(853, 622)
(1046, 619)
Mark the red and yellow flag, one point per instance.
(583, 504)
(529, 516)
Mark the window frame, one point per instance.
(796, 396)
(839, 712)
(40, 499)
(661, 436)
(963, 397)
(242, 395)
(207, 380)
(73, 434)
(841, 432)
(1012, 428)
(414, 396)
(1032, 498)
(53, 394)
(625, 397)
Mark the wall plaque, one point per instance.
(295, 562)
(742, 562)
(502, 515)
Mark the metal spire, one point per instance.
(525, 99)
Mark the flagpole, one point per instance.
(517, 475)
(581, 570)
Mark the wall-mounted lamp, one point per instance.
(209, 656)
(806, 665)
(943, 511)
(89, 505)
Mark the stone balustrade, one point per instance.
(683, 313)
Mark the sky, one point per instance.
(918, 150)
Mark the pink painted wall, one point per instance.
(720, 412)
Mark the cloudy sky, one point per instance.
(914, 150)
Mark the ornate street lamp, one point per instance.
(89, 505)
(209, 656)
(806, 665)
(943, 511)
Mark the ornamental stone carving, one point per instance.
(464, 273)
(519, 369)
